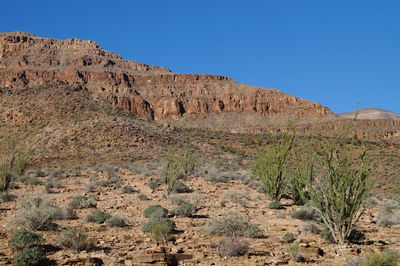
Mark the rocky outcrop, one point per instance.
(150, 92)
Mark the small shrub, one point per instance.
(232, 225)
(153, 185)
(128, 190)
(155, 211)
(5, 180)
(36, 214)
(116, 221)
(289, 238)
(294, 252)
(143, 197)
(304, 213)
(82, 202)
(389, 206)
(275, 205)
(69, 214)
(75, 240)
(178, 199)
(5, 197)
(385, 258)
(153, 223)
(98, 217)
(388, 219)
(30, 181)
(326, 234)
(233, 247)
(160, 231)
(90, 186)
(311, 227)
(186, 210)
(234, 196)
(180, 187)
(28, 257)
(24, 239)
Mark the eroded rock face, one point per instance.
(150, 92)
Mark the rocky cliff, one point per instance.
(150, 92)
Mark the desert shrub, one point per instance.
(294, 252)
(52, 182)
(275, 205)
(5, 196)
(5, 175)
(305, 213)
(90, 186)
(69, 214)
(155, 211)
(36, 214)
(116, 221)
(338, 191)
(142, 196)
(75, 240)
(270, 166)
(176, 167)
(389, 206)
(178, 199)
(82, 202)
(233, 247)
(185, 210)
(128, 190)
(24, 239)
(111, 180)
(162, 223)
(311, 227)
(28, 257)
(234, 196)
(180, 187)
(232, 225)
(160, 231)
(289, 238)
(385, 258)
(388, 219)
(326, 234)
(153, 185)
(98, 217)
(30, 181)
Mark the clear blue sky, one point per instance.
(336, 52)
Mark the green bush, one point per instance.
(270, 166)
(150, 226)
(181, 188)
(232, 225)
(155, 211)
(338, 191)
(289, 238)
(160, 231)
(185, 210)
(294, 252)
(385, 258)
(275, 205)
(30, 181)
(98, 217)
(75, 240)
(116, 221)
(24, 239)
(28, 257)
(153, 185)
(82, 202)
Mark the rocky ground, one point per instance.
(190, 243)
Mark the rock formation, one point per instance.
(150, 92)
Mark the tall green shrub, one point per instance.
(270, 166)
(338, 186)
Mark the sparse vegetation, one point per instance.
(35, 214)
(155, 211)
(98, 217)
(232, 225)
(82, 202)
(28, 257)
(270, 167)
(159, 227)
(275, 205)
(233, 247)
(116, 221)
(24, 239)
(289, 237)
(185, 210)
(75, 240)
(294, 252)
